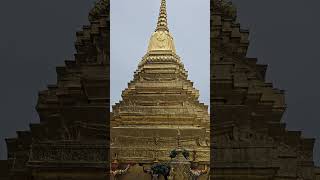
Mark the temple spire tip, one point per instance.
(162, 19)
(161, 40)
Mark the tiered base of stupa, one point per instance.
(145, 146)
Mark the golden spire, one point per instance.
(162, 19)
(161, 40)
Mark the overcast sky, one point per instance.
(133, 22)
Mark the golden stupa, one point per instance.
(160, 113)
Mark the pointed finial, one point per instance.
(179, 138)
(161, 40)
(162, 19)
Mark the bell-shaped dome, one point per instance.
(161, 41)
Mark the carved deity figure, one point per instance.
(115, 171)
(196, 173)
